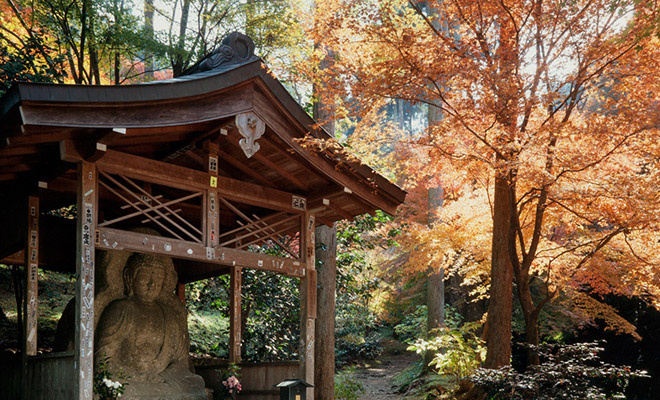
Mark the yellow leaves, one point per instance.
(459, 242)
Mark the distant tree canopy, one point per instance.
(128, 41)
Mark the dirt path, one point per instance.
(378, 377)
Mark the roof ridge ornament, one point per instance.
(251, 127)
(236, 48)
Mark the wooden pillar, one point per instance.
(212, 216)
(84, 326)
(308, 303)
(326, 261)
(235, 315)
(30, 302)
(31, 281)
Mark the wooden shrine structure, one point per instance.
(215, 160)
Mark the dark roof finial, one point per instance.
(236, 48)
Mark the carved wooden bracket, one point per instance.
(251, 128)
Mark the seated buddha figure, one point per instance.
(144, 335)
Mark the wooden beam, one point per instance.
(244, 168)
(84, 326)
(189, 179)
(19, 151)
(115, 239)
(73, 151)
(130, 141)
(24, 159)
(16, 168)
(17, 258)
(318, 205)
(112, 136)
(8, 177)
(235, 340)
(339, 210)
(39, 138)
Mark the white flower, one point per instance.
(107, 382)
(116, 385)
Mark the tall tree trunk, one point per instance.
(117, 10)
(179, 63)
(326, 257)
(435, 285)
(500, 306)
(324, 350)
(116, 68)
(83, 38)
(94, 62)
(149, 29)
(530, 314)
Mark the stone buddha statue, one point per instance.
(144, 335)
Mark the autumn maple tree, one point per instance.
(549, 117)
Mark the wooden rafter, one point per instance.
(244, 168)
(233, 138)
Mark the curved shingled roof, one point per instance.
(169, 121)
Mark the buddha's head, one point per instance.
(144, 276)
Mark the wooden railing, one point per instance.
(50, 377)
(257, 379)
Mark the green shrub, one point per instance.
(571, 372)
(458, 350)
(347, 387)
(412, 325)
(209, 333)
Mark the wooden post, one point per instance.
(235, 315)
(84, 326)
(31, 281)
(308, 303)
(30, 303)
(212, 216)
(324, 352)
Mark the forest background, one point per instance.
(525, 132)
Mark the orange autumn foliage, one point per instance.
(554, 104)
